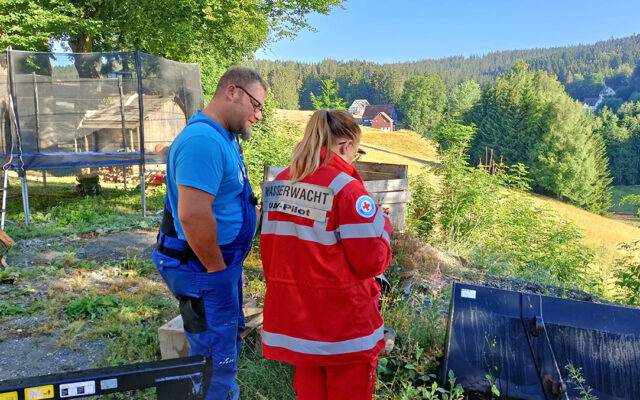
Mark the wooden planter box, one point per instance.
(386, 183)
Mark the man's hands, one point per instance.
(200, 227)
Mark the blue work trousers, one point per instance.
(221, 298)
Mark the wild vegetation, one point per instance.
(458, 207)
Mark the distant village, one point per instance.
(384, 116)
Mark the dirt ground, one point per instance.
(23, 355)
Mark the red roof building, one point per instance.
(383, 122)
(372, 111)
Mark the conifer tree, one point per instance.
(527, 117)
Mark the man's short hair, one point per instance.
(238, 75)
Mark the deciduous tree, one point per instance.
(423, 102)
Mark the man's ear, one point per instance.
(230, 92)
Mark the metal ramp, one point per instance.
(180, 378)
(525, 341)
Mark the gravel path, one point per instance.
(22, 355)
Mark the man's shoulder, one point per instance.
(198, 134)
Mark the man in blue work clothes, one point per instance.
(209, 223)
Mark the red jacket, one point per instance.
(321, 305)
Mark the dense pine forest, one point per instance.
(583, 69)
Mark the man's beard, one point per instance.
(244, 133)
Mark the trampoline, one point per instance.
(68, 111)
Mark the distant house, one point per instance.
(371, 111)
(383, 122)
(592, 103)
(607, 92)
(358, 106)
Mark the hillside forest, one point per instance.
(571, 115)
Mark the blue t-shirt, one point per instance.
(207, 158)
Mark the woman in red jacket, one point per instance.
(323, 241)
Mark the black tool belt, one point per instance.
(168, 242)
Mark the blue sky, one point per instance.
(408, 30)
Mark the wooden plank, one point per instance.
(172, 340)
(387, 185)
(252, 324)
(376, 176)
(391, 171)
(368, 171)
(391, 197)
(5, 240)
(250, 311)
(255, 321)
(397, 215)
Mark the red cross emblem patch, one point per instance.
(365, 206)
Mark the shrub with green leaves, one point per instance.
(632, 199)
(484, 215)
(628, 273)
(419, 342)
(421, 210)
(92, 307)
(272, 143)
(579, 383)
(10, 309)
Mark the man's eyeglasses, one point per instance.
(256, 108)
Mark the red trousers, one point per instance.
(338, 382)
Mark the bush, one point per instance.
(483, 214)
(10, 309)
(92, 307)
(421, 210)
(272, 143)
(628, 273)
(420, 327)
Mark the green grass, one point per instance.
(618, 192)
(57, 210)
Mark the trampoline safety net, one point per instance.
(74, 110)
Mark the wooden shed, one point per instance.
(386, 183)
(101, 130)
(357, 107)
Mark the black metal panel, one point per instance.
(525, 341)
(180, 378)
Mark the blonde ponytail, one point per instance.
(323, 129)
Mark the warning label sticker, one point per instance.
(39, 392)
(301, 199)
(9, 396)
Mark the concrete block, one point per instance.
(173, 342)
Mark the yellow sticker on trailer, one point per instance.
(9, 396)
(39, 392)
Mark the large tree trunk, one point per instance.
(86, 65)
